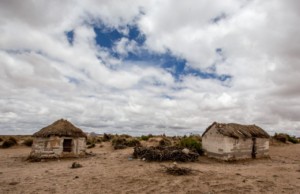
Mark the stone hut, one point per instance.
(60, 139)
(234, 141)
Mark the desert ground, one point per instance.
(113, 171)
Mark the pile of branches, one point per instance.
(179, 171)
(167, 153)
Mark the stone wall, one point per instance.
(52, 147)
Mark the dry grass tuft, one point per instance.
(177, 171)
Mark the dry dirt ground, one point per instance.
(112, 171)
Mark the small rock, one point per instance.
(129, 159)
(185, 150)
(76, 177)
(76, 165)
(144, 159)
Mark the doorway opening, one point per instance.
(254, 148)
(67, 145)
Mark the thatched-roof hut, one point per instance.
(60, 139)
(234, 141)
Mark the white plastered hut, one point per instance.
(234, 141)
(58, 140)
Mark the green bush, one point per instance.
(132, 142)
(293, 139)
(28, 142)
(145, 137)
(191, 143)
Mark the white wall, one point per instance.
(219, 146)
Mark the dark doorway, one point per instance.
(254, 148)
(67, 145)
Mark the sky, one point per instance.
(149, 66)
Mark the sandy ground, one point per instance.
(110, 171)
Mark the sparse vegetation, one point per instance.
(28, 142)
(125, 136)
(1, 139)
(121, 142)
(283, 137)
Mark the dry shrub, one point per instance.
(91, 145)
(90, 140)
(99, 139)
(178, 171)
(126, 136)
(164, 153)
(165, 142)
(28, 142)
(121, 142)
(11, 141)
(280, 137)
(1, 139)
(34, 158)
(76, 165)
(107, 137)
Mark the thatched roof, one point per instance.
(238, 131)
(60, 128)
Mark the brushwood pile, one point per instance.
(165, 153)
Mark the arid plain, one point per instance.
(114, 171)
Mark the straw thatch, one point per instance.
(60, 128)
(238, 131)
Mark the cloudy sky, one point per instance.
(152, 66)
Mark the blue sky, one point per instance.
(107, 37)
(142, 67)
